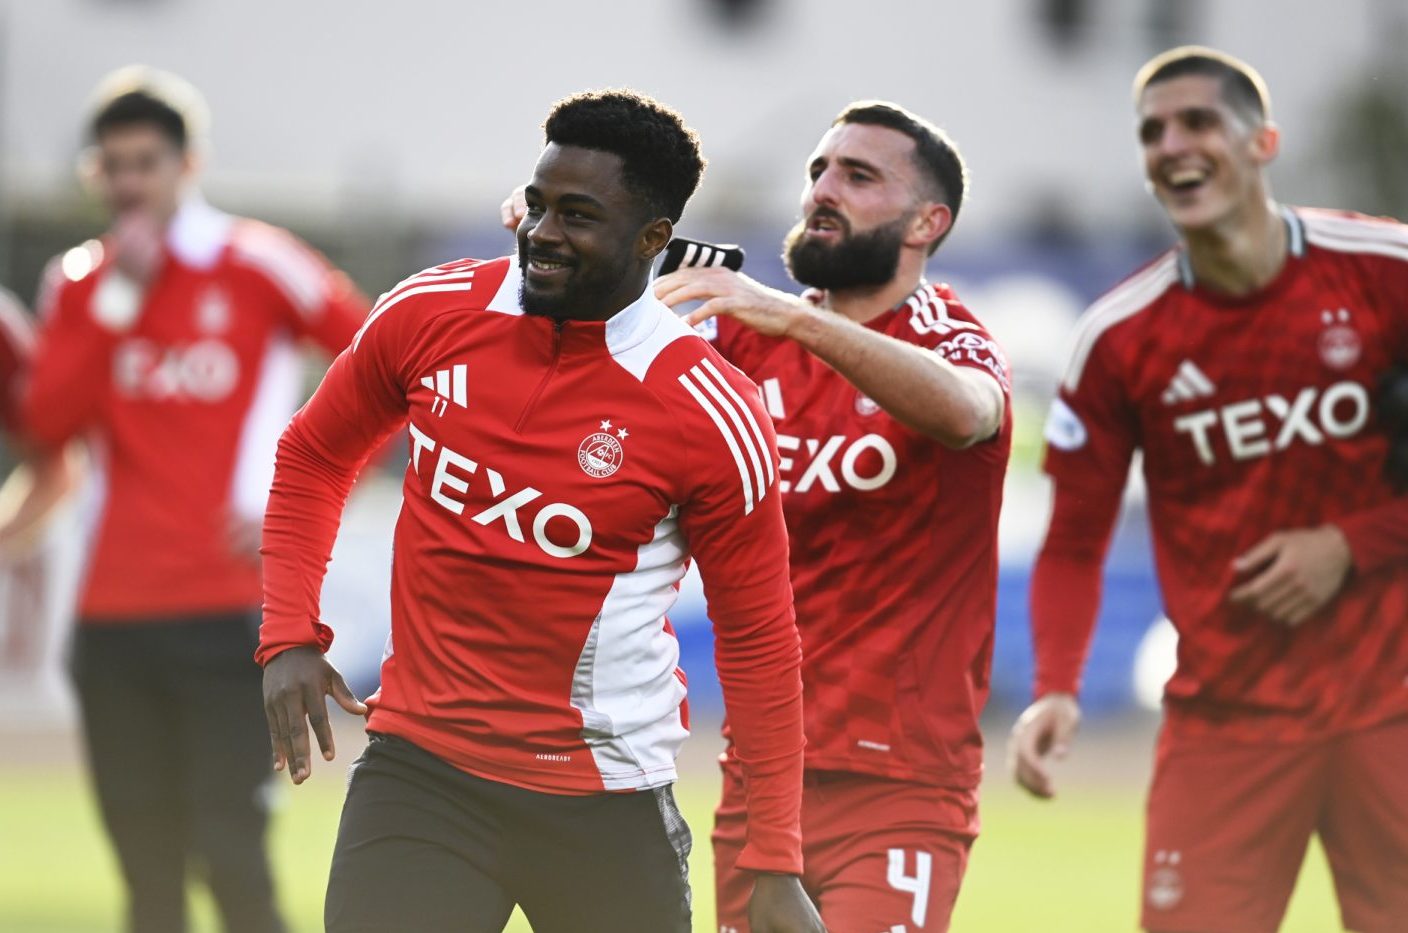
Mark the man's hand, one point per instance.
(1042, 733)
(243, 536)
(766, 310)
(1296, 573)
(296, 685)
(513, 209)
(137, 248)
(779, 905)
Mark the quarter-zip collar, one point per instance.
(624, 330)
(198, 233)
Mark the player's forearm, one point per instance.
(1378, 537)
(916, 386)
(759, 668)
(1065, 586)
(32, 492)
(300, 527)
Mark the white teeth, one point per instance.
(1186, 176)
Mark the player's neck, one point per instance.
(866, 304)
(1241, 256)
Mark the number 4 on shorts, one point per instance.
(916, 884)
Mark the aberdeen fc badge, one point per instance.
(601, 453)
(1340, 345)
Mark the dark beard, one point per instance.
(858, 260)
(579, 299)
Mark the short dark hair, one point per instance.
(136, 95)
(935, 154)
(660, 159)
(1242, 87)
(135, 108)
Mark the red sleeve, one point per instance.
(318, 301)
(733, 522)
(1378, 537)
(961, 339)
(1065, 593)
(72, 362)
(362, 399)
(1090, 440)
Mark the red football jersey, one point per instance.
(1255, 414)
(894, 551)
(16, 345)
(184, 409)
(561, 476)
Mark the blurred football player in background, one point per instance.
(1244, 363)
(168, 345)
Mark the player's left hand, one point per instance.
(780, 905)
(244, 535)
(1296, 573)
(514, 208)
(766, 310)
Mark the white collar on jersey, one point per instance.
(625, 329)
(198, 233)
(1295, 243)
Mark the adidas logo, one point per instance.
(449, 385)
(1188, 383)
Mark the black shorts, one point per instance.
(424, 846)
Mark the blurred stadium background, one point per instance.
(386, 134)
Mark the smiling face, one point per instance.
(859, 206)
(586, 241)
(1203, 158)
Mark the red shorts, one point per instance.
(880, 856)
(1229, 823)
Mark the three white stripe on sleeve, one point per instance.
(739, 429)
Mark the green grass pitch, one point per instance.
(1064, 867)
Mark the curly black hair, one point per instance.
(660, 155)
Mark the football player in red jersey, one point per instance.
(168, 346)
(572, 446)
(890, 400)
(1245, 363)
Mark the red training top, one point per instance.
(561, 476)
(184, 408)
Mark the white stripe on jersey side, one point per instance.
(1349, 235)
(758, 438)
(1123, 302)
(772, 398)
(383, 305)
(624, 683)
(728, 406)
(712, 412)
(274, 401)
